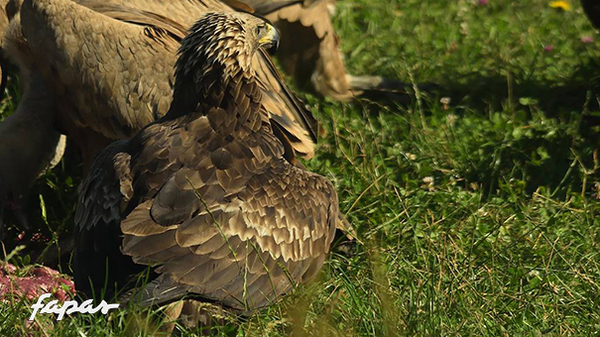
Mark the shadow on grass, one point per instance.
(490, 92)
(523, 132)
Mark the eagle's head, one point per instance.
(223, 43)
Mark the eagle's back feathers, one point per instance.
(205, 197)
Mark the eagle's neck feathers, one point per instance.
(211, 64)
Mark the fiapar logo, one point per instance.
(69, 307)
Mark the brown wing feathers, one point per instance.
(206, 198)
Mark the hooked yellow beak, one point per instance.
(270, 41)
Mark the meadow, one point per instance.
(476, 216)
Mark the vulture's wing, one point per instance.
(117, 75)
(3, 28)
(309, 47)
(124, 13)
(263, 7)
(183, 12)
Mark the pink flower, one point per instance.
(548, 48)
(587, 39)
(482, 2)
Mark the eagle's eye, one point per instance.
(260, 29)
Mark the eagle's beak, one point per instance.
(270, 41)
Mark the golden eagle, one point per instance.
(204, 195)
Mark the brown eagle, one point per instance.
(204, 196)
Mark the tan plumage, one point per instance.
(309, 46)
(112, 64)
(204, 195)
(310, 49)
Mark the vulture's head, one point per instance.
(223, 44)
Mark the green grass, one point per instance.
(476, 220)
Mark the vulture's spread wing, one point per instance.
(309, 47)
